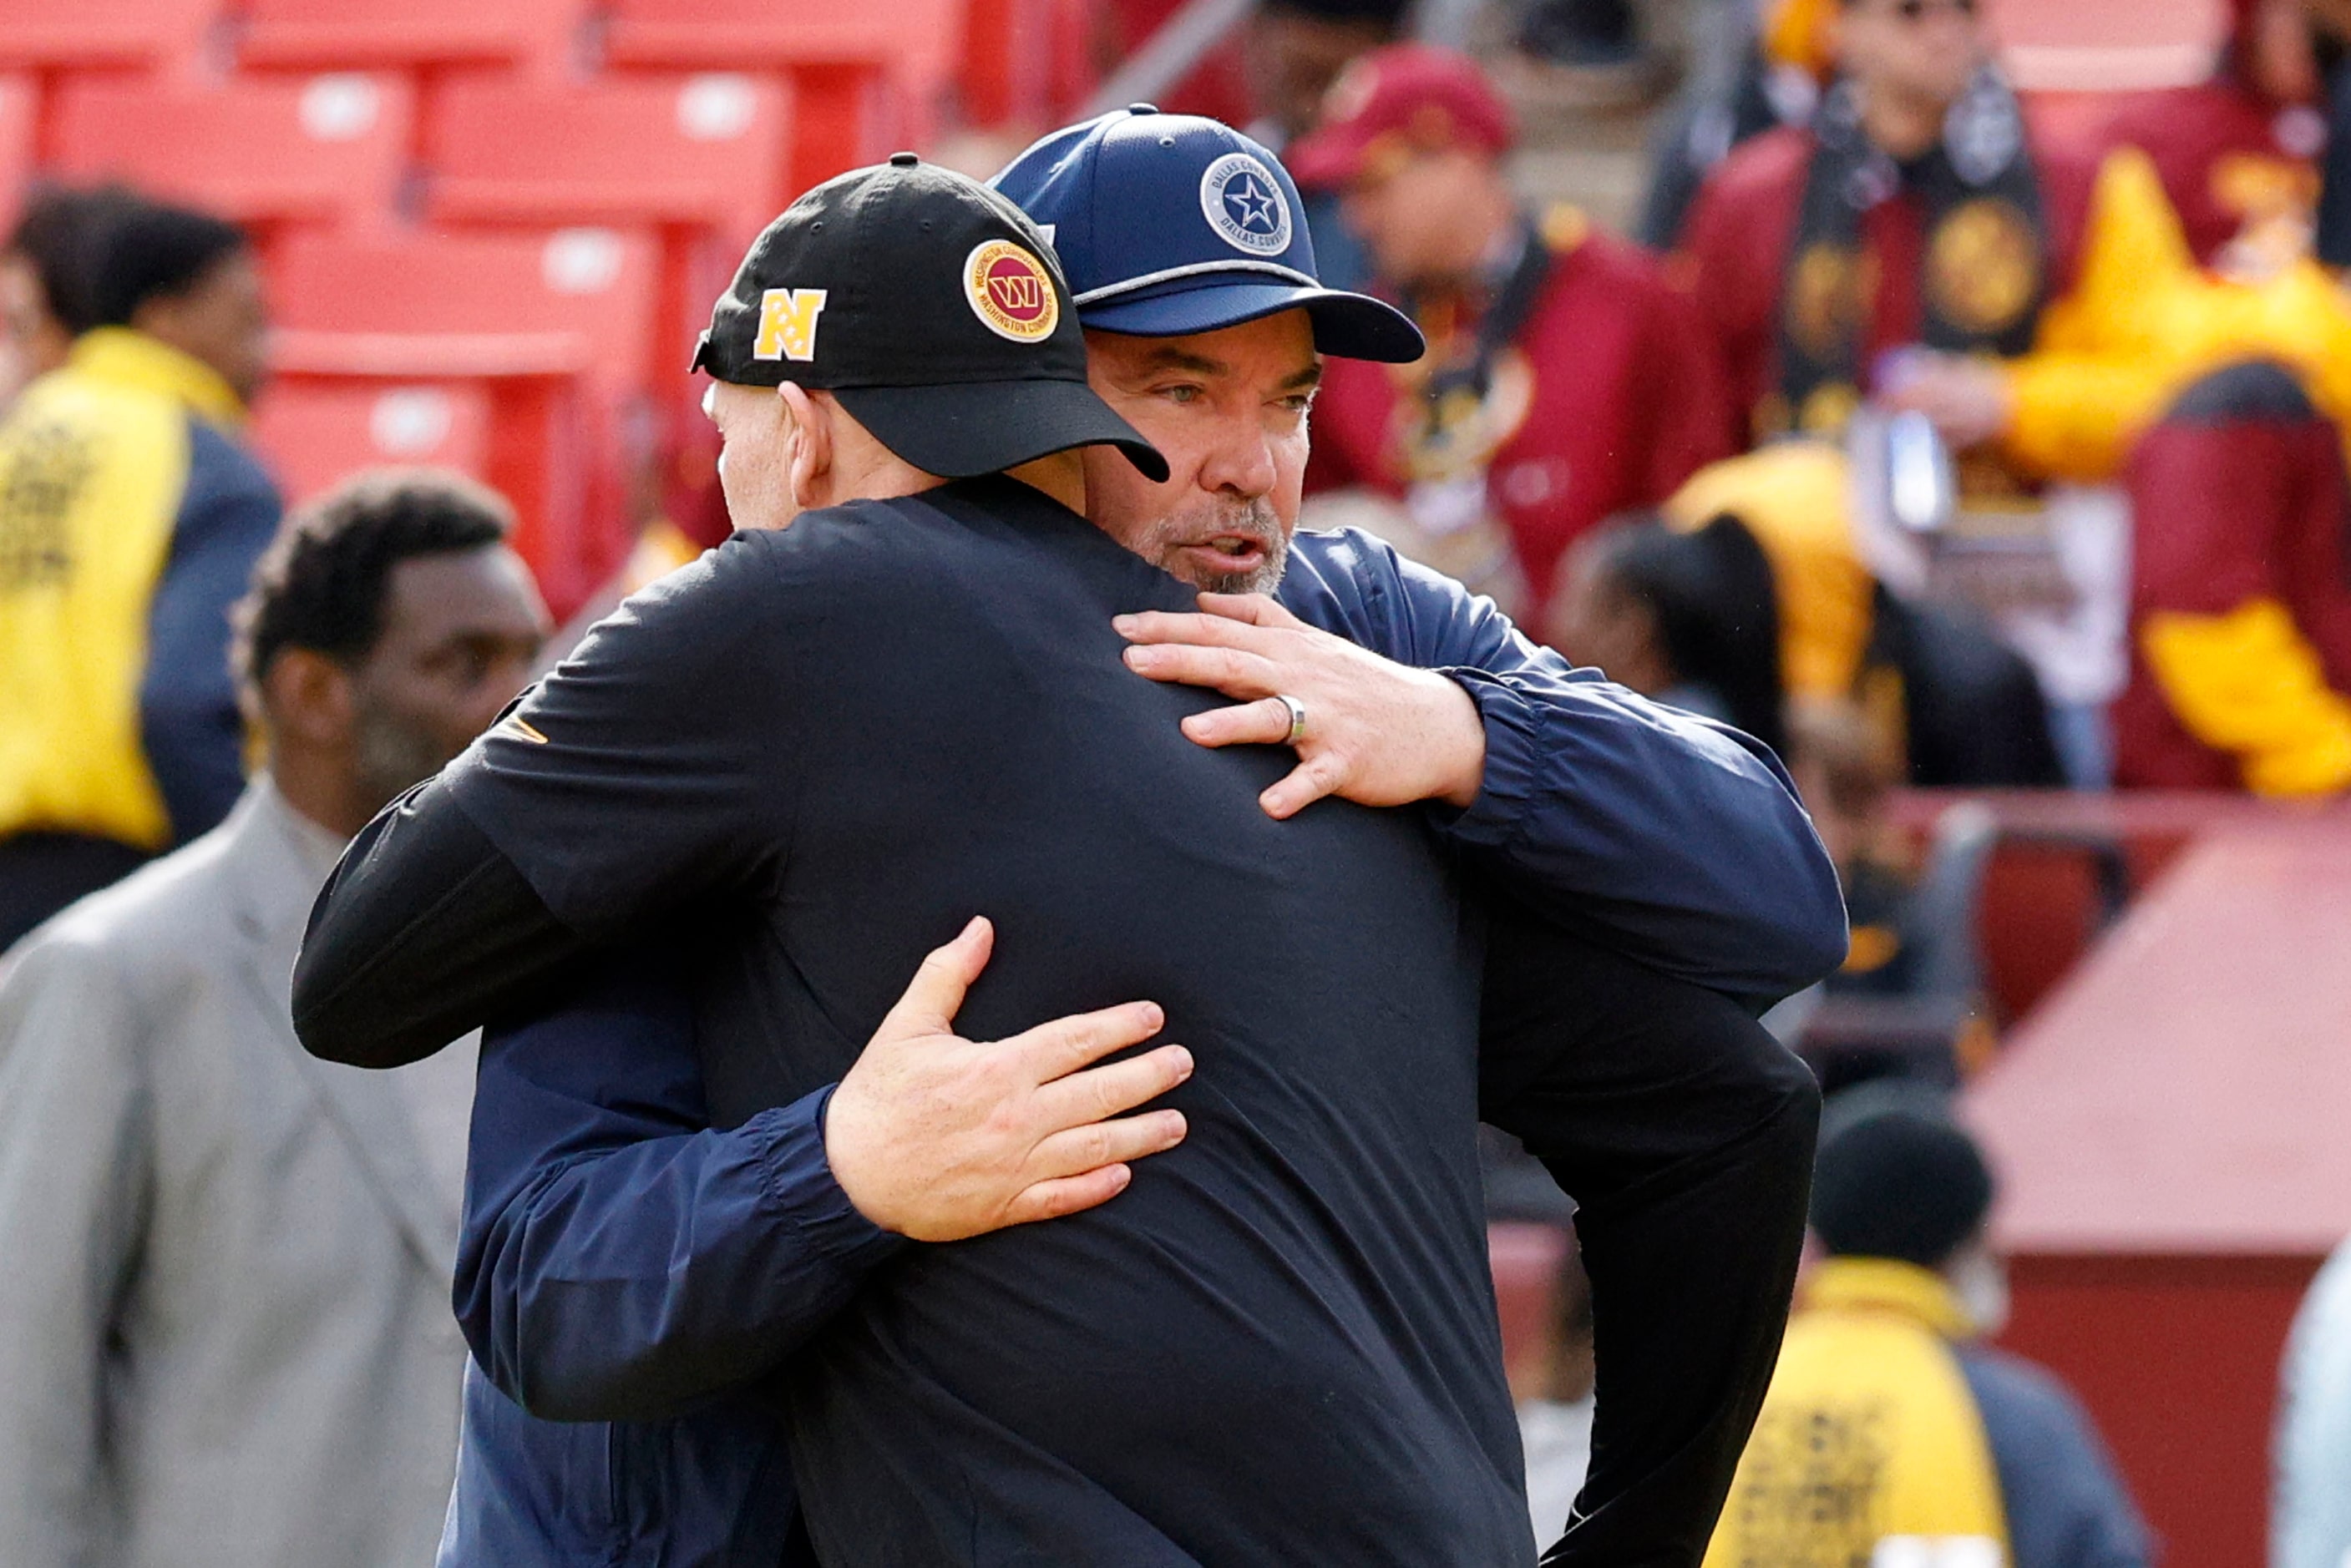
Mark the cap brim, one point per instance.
(1347, 326)
(963, 430)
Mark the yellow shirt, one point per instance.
(1870, 1432)
(93, 463)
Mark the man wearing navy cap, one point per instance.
(1237, 538)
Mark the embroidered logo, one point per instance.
(787, 318)
(1011, 292)
(1243, 202)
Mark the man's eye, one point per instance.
(1183, 392)
(1300, 403)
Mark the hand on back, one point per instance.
(938, 1137)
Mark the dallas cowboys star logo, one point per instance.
(1245, 205)
(1250, 203)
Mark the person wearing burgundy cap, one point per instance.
(1567, 380)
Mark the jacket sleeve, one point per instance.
(621, 1260)
(189, 724)
(425, 931)
(74, 1168)
(1675, 840)
(2104, 365)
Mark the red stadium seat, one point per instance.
(2109, 46)
(19, 106)
(267, 152)
(313, 435)
(1027, 62)
(80, 35)
(326, 35)
(700, 160)
(867, 74)
(703, 154)
(553, 328)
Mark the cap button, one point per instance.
(903, 159)
(1143, 108)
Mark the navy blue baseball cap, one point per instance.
(1167, 224)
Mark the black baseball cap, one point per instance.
(933, 309)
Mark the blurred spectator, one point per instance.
(129, 520)
(229, 1340)
(2241, 603)
(46, 273)
(1555, 1417)
(1888, 1417)
(1687, 618)
(1913, 963)
(2310, 1524)
(2222, 402)
(1944, 695)
(1914, 213)
(1565, 381)
(1292, 50)
(1584, 56)
(1771, 77)
(1547, 1340)
(2239, 153)
(1846, 776)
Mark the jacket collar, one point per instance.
(278, 859)
(127, 358)
(1885, 1286)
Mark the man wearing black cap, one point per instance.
(1889, 1418)
(795, 308)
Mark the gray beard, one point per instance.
(1257, 519)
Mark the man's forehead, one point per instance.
(477, 589)
(1282, 342)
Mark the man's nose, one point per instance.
(1241, 462)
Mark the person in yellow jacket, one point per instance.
(2220, 398)
(1891, 1435)
(129, 520)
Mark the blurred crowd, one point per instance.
(1931, 438)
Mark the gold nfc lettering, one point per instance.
(787, 318)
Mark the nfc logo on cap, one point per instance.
(788, 324)
(1243, 202)
(1011, 292)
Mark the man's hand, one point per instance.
(1377, 732)
(939, 1138)
(1968, 398)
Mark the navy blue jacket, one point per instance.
(2066, 1507)
(622, 1259)
(189, 721)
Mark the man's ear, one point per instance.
(810, 445)
(308, 698)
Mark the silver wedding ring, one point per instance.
(1296, 719)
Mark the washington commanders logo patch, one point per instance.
(1011, 292)
(1243, 202)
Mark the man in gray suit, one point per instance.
(225, 1294)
